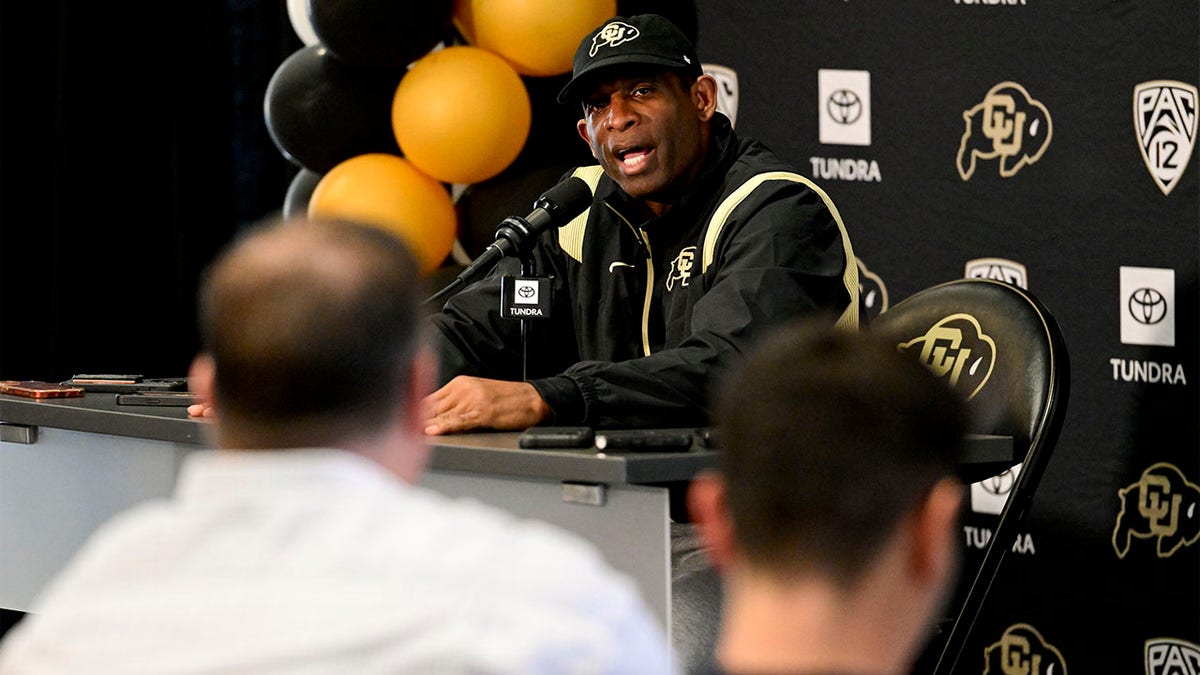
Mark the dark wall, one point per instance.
(133, 147)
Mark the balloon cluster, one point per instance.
(412, 115)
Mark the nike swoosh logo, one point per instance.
(614, 265)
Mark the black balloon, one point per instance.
(682, 13)
(380, 33)
(320, 111)
(482, 206)
(553, 137)
(295, 202)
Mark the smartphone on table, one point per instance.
(38, 389)
(163, 398)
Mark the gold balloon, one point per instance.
(538, 37)
(389, 192)
(461, 114)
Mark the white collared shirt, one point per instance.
(318, 561)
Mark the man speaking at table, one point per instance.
(696, 241)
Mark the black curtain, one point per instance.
(134, 148)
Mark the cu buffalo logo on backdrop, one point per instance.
(1022, 650)
(956, 348)
(1164, 116)
(872, 293)
(1008, 124)
(1162, 505)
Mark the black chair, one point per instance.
(1003, 349)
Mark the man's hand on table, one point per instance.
(468, 403)
(201, 410)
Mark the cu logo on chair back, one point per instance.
(957, 349)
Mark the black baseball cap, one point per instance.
(645, 39)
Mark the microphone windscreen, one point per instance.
(571, 197)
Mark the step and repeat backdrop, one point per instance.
(1048, 144)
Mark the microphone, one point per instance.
(515, 236)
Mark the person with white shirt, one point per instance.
(301, 544)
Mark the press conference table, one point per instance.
(67, 465)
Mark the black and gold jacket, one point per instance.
(649, 313)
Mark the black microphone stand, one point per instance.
(515, 235)
(528, 270)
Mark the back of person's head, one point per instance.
(829, 438)
(311, 327)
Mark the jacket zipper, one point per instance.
(649, 293)
(645, 241)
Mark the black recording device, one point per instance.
(556, 437)
(645, 440)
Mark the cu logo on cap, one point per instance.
(615, 33)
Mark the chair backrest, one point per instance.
(1000, 347)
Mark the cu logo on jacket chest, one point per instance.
(681, 268)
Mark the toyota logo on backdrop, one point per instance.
(845, 107)
(1147, 306)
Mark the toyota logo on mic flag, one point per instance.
(525, 297)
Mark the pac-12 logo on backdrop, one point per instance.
(1164, 115)
(1008, 124)
(727, 89)
(1172, 656)
(1147, 306)
(844, 102)
(999, 269)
